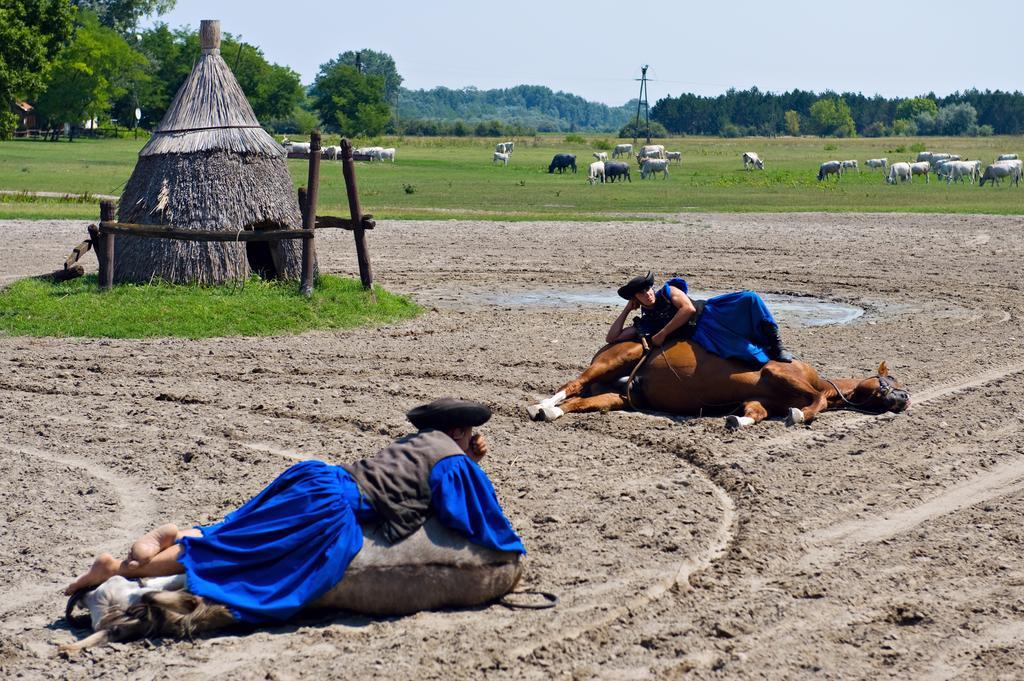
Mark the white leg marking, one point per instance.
(734, 422)
(794, 417)
(555, 399)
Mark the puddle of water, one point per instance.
(788, 310)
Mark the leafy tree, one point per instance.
(792, 123)
(630, 130)
(32, 34)
(912, 108)
(348, 101)
(956, 119)
(97, 68)
(371, 63)
(274, 91)
(831, 117)
(123, 15)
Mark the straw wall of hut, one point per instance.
(209, 166)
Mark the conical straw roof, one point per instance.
(210, 110)
(208, 166)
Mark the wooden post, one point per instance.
(348, 169)
(309, 215)
(106, 253)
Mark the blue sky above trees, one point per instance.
(594, 49)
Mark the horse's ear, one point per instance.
(883, 370)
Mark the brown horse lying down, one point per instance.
(684, 378)
(434, 567)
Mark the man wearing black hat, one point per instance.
(737, 325)
(293, 541)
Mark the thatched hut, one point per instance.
(209, 166)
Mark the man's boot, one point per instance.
(774, 347)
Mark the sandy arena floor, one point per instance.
(856, 547)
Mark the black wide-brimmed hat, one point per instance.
(635, 285)
(448, 412)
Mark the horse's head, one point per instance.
(880, 393)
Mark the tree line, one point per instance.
(80, 60)
(753, 112)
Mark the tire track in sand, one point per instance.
(134, 515)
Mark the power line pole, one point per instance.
(642, 102)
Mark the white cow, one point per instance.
(921, 168)
(1007, 157)
(295, 147)
(622, 150)
(387, 154)
(652, 151)
(882, 163)
(503, 147)
(958, 170)
(898, 171)
(596, 173)
(650, 166)
(1000, 170)
(752, 160)
(924, 156)
(331, 153)
(500, 156)
(674, 156)
(601, 155)
(851, 163)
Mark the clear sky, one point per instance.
(595, 49)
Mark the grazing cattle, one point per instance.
(504, 147)
(674, 156)
(684, 378)
(601, 155)
(1007, 157)
(622, 150)
(882, 163)
(435, 567)
(921, 168)
(830, 168)
(924, 156)
(898, 171)
(752, 160)
(653, 151)
(500, 156)
(614, 170)
(958, 170)
(562, 161)
(1001, 170)
(596, 172)
(852, 163)
(295, 147)
(387, 154)
(650, 166)
(331, 153)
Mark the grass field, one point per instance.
(41, 307)
(454, 178)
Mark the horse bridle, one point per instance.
(886, 387)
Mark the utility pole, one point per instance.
(642, 102)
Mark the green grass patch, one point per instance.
(453, 178)
(40, 307)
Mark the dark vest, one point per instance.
(653, 319)
(397, 480)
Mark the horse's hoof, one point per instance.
(551, 413)
(794, 417)
(733, 422)
(534, 410)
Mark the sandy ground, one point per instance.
(856, 547)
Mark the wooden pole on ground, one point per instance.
(309, 215)
(348, 169)
(106, 253)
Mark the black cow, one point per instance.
(616, 169)
(561, 162)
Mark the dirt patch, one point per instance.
(855, 547)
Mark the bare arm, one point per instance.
(616, 333)
(684, 310)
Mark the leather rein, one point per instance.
(885, 388)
